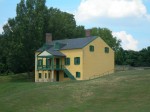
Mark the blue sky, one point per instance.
(129, 20)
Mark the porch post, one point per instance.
(36, 64)
(52, 78)
(42, 62)
(42, 76)
(61, 63)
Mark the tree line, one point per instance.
(133, 58)
(25, 33)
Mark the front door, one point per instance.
(57, 75)
(57, 63)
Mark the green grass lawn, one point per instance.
(120, 92)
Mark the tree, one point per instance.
(25, 33)
(120, 56)
(137, 58)
(144, 57)
(131, 57)
(2, 56)
(63, 25)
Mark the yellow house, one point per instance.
(73, 59)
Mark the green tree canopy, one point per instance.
(25, 33)
(134, 58)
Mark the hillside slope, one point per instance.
(120, 92)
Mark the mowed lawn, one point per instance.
(127, 91)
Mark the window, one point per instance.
(67, 61)
(48, 61)
(65, 75)
(106, 50)
(78, 74)
(45, 75)
(40, 75)
(77, 60)
(40, 62)
(91, 48)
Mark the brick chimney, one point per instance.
(88, 32)
(48, 37)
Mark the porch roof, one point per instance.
(49, 53)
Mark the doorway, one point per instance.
(57, 75)
(57, 63)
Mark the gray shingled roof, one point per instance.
(66, 44)
(54, 52)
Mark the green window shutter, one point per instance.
(78, 74)
(46, 61)
(67, 61)
(106, 49)
(77, 60)
(40, 62)
(91, 48)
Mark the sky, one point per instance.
(129, 20)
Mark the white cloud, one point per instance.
(91, 9)
(128, 42)
(1, 29)
(1, 26)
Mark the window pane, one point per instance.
(78, 74)
(77, 60)
(91, 48)
(67, 61)
(106, 50)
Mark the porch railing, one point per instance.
(48, 67)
